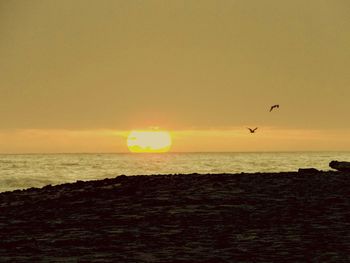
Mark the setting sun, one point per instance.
(149, 141)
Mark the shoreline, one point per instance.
(245, 217)
(67, 184)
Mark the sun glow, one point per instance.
(149, 141)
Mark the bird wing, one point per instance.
(274, 106)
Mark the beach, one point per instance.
(245, 217)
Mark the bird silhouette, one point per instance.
(252, 130)
(274, 106)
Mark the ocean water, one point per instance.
(37, 170)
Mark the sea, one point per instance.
(21, 171)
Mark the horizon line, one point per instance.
(191, 152)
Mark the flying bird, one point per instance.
(274, 106)
(252, 130)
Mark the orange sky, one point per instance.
(234, 139)
(76, 76)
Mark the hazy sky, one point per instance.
(205, 69)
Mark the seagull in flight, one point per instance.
(274, 106)
(252, 130)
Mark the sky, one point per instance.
(77, 76)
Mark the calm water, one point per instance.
(37, 170)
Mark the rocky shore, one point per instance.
(272, 217)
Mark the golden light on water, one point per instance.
(145, 141)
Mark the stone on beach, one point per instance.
(340, 166)
(308, 170)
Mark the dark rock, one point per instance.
(340, 166)
(49, 186)
(261, 217)
(308, 170)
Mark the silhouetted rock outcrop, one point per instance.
(340, 166)
(308, 170)
(262, 217)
